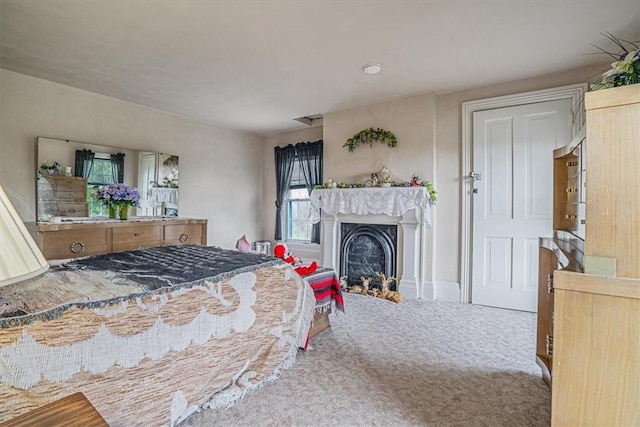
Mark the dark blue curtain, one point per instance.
(285, 157)
(84, 162)
(117, 167)
(310, 158)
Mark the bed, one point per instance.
(150, 336)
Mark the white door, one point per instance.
(512, 203)
(147, 175)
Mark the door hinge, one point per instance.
(549, 346)
(550, 283)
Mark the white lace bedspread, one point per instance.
(393, 201)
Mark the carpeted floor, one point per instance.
(418, 363)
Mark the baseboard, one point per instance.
(408, 289)
(428, 292)
(448, 291)
(441, 289)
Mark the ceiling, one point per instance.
(255, 66)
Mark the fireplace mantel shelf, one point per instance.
(393, 201)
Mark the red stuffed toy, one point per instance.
(281, 251)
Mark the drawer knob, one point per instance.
(76, 247)
(72, 211)
(183, 237)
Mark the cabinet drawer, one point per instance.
(132, 235)
(73, 209)
(183, 234)
(71, 195)
(74, 243)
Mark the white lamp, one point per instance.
(20, 258)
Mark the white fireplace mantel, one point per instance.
(408, 207)
(392, 201)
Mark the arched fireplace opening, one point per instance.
(367, 249)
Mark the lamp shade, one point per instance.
(20, 258)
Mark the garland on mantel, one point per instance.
(367, 136)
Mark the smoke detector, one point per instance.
(373, 68)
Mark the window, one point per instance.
(293, 165)
(100, 175)
(298, 225)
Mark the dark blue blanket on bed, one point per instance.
(168, 266)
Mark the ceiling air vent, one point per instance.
(312, 120)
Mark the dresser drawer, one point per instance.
(71, 195)
(75, 243)
(126, 238)
(73, 209)
(183, 234)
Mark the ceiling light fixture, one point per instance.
(373, 68)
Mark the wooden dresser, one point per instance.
(63, 196)
(83, 238)
(596, 344)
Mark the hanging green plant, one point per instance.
(367, 136)
(171, 161)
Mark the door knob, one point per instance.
(476, 176)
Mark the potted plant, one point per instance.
(117, 198)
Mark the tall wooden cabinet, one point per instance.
(596, 327)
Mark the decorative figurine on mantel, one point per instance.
(385, 175)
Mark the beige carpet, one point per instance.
(418, 363)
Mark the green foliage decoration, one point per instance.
(368, 136)
(170, 161)
(433, 194)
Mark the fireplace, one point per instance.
(407, 210)
(367, 249)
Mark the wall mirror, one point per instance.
(68, 172)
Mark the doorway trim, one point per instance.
(573, 92)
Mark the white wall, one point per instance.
(220, 170)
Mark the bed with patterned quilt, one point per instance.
(150, 336)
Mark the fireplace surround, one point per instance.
(408, 208)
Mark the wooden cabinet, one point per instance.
(63, 196)
(83, 238)
(596, 362)
(596, 355)
(565, 250)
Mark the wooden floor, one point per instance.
(71, 411)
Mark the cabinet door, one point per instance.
(548, 263)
